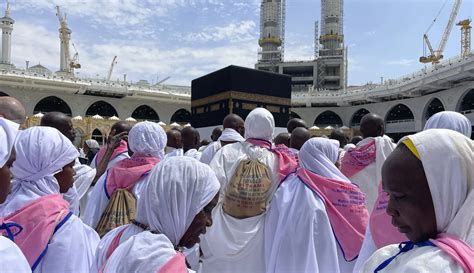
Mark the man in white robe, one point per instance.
(234, 131)
(299, 231)
(40, 173)
(191, 140)
(430, 201)
(231, 244)
(174, 146)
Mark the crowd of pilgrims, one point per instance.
(249, 201)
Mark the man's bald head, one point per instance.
(119, 127)
(299, 136)
(190, 137)
(339, 135)
(216, 133)
(235, 122)
(12, 109)
(174, 138)
(282, 138)
(295, 123)
(60, 121)
(372, 125)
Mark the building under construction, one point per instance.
(328, 69)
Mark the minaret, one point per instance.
(7, 28)
(271, 31)
(332, 37)
(65, 37)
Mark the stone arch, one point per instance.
(432, 107)
(466, 102)
(98, 136)
(399, 112)
(145, 112)
(52, 104)
(357, 116)
(101, 108)
(181, 116)
(294, 115)
(328, 118)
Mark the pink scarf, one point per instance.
(461, 252)
(122, 148)
(355, 160)
(126, 173)
(287, 162)
(177, 264)
(345, 208)
(381, 228)
(40, 219)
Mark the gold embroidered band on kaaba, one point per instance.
(241, 96)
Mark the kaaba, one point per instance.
(239, 90)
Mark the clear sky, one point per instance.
(185, 39)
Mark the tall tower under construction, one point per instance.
(328, 68)
(272, 33)
(7, 28)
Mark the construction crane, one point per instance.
(465, 36)
(436, 55)
(111, 69)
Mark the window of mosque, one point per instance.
(358, 116)
(182, 116)
(399, 113)
(328, 118)
(145, 112)
(434, 107)
(102, 109)
(467, 103)
(52, 104)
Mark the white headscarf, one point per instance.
(176, 190)
(259, 124)
(448, 161)
(92, 143)
(450, 120)
(230, 134)
(319, 155)
(147, 138)
(41, 152)
(8, 131)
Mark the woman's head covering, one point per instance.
(147, 139)
(176, 190)
(448, 161)
(259, 124)
(319, 156)
(93, 144)
(8, 132)
(41, 152)
(450, 120)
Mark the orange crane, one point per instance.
(436, 55)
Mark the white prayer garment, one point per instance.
(146, 139)
(8, 132)
(442, 120)
(298, 232)
(450, 181)
(170, 152)
(193, 153)
(450, 120)
(176, 190)
(42, 152)
(231, 244)
(228, 135)
(11, 257)
(369, 177)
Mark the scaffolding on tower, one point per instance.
(465, 37)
